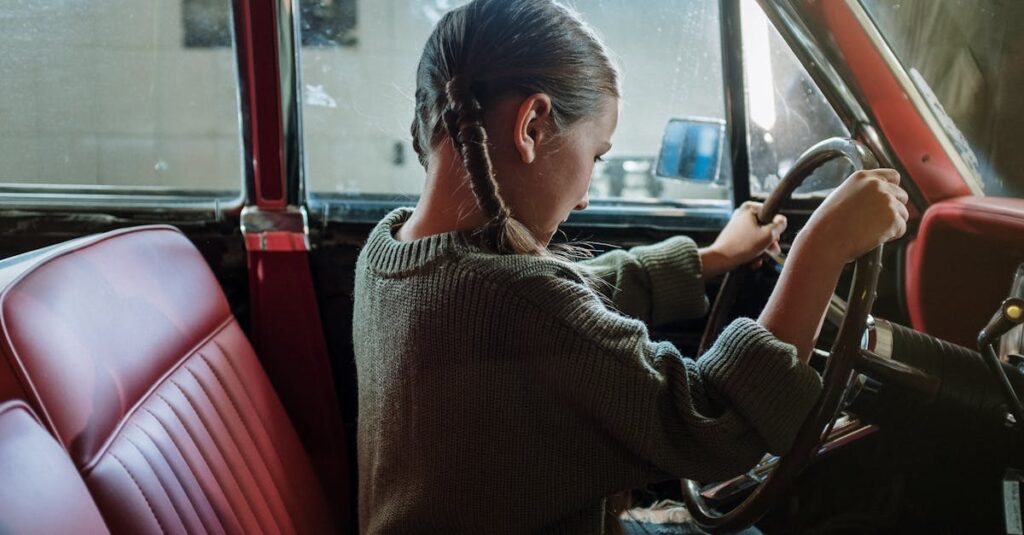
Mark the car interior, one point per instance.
(176, 323)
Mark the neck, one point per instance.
(447, 203)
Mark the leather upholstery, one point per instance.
(961, 265)
(40, 490)
(126, 346)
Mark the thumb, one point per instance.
(778, 226)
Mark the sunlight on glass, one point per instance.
(758, 65)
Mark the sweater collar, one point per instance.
(387, 254)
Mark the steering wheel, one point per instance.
(843, 358)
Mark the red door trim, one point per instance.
(258, 18)
(913, 142)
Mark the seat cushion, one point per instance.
(126, 346)
(961, 265)
(40, 490)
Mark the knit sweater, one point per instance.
(502, 393)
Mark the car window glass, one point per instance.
(357, 93)
(966, 57)
(786, 112)
(119, 95)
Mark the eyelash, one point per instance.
(598, 159)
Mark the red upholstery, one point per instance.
(40, 490)
(126, 346)
(961, 265)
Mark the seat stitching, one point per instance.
(188, 463)
(130, 475)
(228, 357)
(152, 389)
(245, 424)
(202, 454)
(238, 444)
(174, 470)
(217, 445)
(162, 485)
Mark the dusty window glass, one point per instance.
(966, 58)
(358, 100)
(786, 112)
(119, 95)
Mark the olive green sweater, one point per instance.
(502, 394)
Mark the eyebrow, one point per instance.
(607, 147)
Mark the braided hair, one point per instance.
(488, 49)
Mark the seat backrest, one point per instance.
(126, 347)
(40, 490)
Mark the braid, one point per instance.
(416, 147)
(417, 144)
(463, 118)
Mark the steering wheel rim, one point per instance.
(843, 355)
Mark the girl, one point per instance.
(505, 389)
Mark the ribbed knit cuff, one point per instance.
(677, 291)
(760, 377)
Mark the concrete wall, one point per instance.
(359, 103)
(103, 92)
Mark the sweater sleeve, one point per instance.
(657, 284)
(707, 419)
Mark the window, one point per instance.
(965, 58)
(113, 96)
(358, 100)
(786, 112)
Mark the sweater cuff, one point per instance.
(760, 377)
(675, 271)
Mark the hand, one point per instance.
(742, 240)
(867, 210)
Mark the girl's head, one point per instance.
(525, 96)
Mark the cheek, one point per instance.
(584, 173)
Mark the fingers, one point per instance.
(891, 178)
(901, 210)
(899, 228)
(889, 175)
(889, 183)
(900, 194)
(779, 224)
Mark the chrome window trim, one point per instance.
(156, 204)
(695, 215)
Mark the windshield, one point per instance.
(967, 59)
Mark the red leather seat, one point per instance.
(125, 346)
(40, 490)
(962, 263)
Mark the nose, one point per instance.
(583, 204)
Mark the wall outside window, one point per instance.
(106, 93)
(358, 100)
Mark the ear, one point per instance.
(532, 125)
